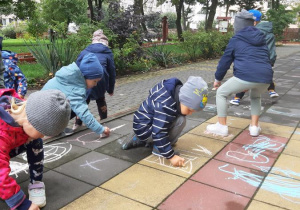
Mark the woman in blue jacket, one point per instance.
(105, 56)
(252, 71)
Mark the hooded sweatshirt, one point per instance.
(71, 82)
(267, 28)
(1, 71)
(105, 56)
(250, 55)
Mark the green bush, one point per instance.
(161, 55)
(9, 32)
(36, 27)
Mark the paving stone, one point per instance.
(235, 122)
(276, 130)
(122, 127)
(263, 142)
(201, 130)
(279, 191)
(144, 184)
(194, 195)
(288, 166)
(292, 148)
(209, 111)
(247, 156)
(61, 189)
(254, 205)
(102, 199)
(93, 168)
(89, 139)
(133, 155)
(194, 145)
(296, 134)
(190, 124)
(229, 177)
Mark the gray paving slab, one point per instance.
(93, 168)
(90, 140)
(133, 155)
(122, 127)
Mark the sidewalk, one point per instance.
(236, 172)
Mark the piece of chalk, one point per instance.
(214, 88)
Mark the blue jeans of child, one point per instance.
(35, 158)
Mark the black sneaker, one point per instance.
(132, 141)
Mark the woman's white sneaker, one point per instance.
(218, 129)
(254, 130)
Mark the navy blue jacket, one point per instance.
(106, 58)
(157, 113)
(250, 55)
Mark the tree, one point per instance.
(24, 9)
(55, 11)
(246, 4)
(280, 19)
(212, 13)
(6, 7)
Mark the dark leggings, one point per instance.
(241, 94)
(35, 158)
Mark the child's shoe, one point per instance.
(254, 130)
(235, 101)
(133, 141)
(77, 124)
(273, 94)
(156, 152)
(37, 193)
(218, 129)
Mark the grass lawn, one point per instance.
(32, 71)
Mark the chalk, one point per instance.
(214, 88)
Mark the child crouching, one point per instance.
(44, 113)
(162, 115)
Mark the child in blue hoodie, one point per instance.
(162, 115)
(252, 71)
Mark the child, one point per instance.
(13, 76)
(252, 71)
(162, 115)
(44, 113)
(74, 81)
(267, 28)
(105, 56)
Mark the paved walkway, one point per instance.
(236, 172)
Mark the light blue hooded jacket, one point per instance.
(71, 82)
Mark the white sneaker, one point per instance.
(254, 130)
(273, 94)
(37, 193)
(218, 129)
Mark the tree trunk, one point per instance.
(206, 13)
(227, 9)
(139, 10)
(212, 13)
(90, 3)
(178, 20)
(273, 4)
(277, 4)
(183, 18)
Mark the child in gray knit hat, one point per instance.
(44, 113)
(162, 116)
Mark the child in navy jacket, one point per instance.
(162, 115)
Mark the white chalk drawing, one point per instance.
(273, 111)
(188, 161)
(285, 186)
(202, 149)
(91, 166)
(17, 167)
(210, 109)
(252, 152)
(95, 139)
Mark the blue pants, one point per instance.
(35, 158)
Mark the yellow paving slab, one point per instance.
(235, 122)
(102, 199)
(144, 184)
(256, 205)
(287, 165)
(280, 191)
(296, 135)
(293, 148)
(276, 130)
(201, 131)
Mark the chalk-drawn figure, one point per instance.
(202, 149)
(253, 152)
(17, 167)
(285, 186)
(187, 168)
(282, 113)
(93, 167)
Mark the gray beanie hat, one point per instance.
(193, 93)
(242, 20)
(48, 111)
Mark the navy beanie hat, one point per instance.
(90, 67)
